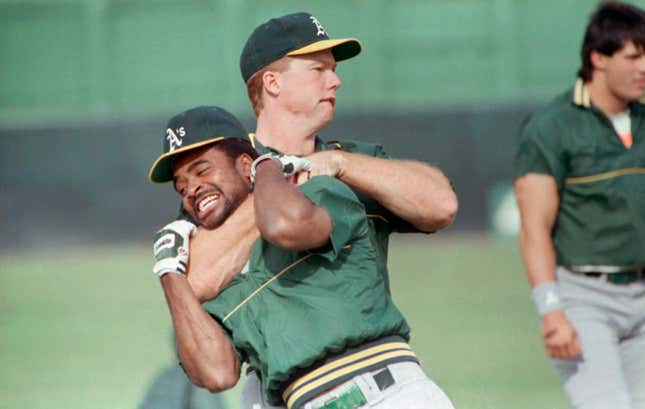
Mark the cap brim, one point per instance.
(161, 170)
(342, 48)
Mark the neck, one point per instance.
(286, 133)
(603, 98)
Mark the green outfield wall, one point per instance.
(86, 87)
(104, 59)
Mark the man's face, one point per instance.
(625, 72)
(308, 87)
(211, 184)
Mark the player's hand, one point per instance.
(560, 338)
(300, 177)
(171, 247)
(293, 164)
(290, 164)
(329, 163)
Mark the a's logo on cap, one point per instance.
(175, 137)
(320, 29)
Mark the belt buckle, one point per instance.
(350, 399)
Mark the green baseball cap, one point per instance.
(293, 34)
(193, 129)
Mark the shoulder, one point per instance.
(544, 137)
(559, 110)
(555, 123)
(332, 195)
(327, 184)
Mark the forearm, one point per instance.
(415, 191)
(538, 255)
(284, 215)
(538, 201)
(216, 256)
(206, 353)
(560, 337)
(209, 274)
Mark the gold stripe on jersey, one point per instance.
(604, 176)
(269, 281)
(377, 216)
(272, 279)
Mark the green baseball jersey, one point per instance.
(601, 183)
(373, 208)
(381, 221)
(291, 308)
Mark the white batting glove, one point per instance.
(290, 164)
(171, 247)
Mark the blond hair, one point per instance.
(255, 84)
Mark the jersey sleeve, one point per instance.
(346, 211)
(540, 151)
(374, 209)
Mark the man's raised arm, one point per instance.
(206, 353)
(284, 215)
(415, 191)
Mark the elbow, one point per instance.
(215, 375)
(216, 380)
(448, 210)
(277, 225)
(276, 231)
(291, 231)
(219, 382)
(442, 215)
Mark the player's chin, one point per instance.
(212, 219)
(326, 116)
(635, 92)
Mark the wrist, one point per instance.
(169, 265)
(546, 297)
(171, 275)
(260, 160)
(340, 161)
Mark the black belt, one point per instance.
(620, 278)
(336, 369)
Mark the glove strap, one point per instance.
(259, 160)
(169, 265)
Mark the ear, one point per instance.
(243, 165)
(598, 60)
(271, 82)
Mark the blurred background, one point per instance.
(86, 87)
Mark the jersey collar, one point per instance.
(255, 142)
(581, 95)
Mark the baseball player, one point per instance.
(580, 185)
(288, 65)
(312, 312)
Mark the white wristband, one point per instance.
(546, 297)
(259, 160)
(168, 265)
